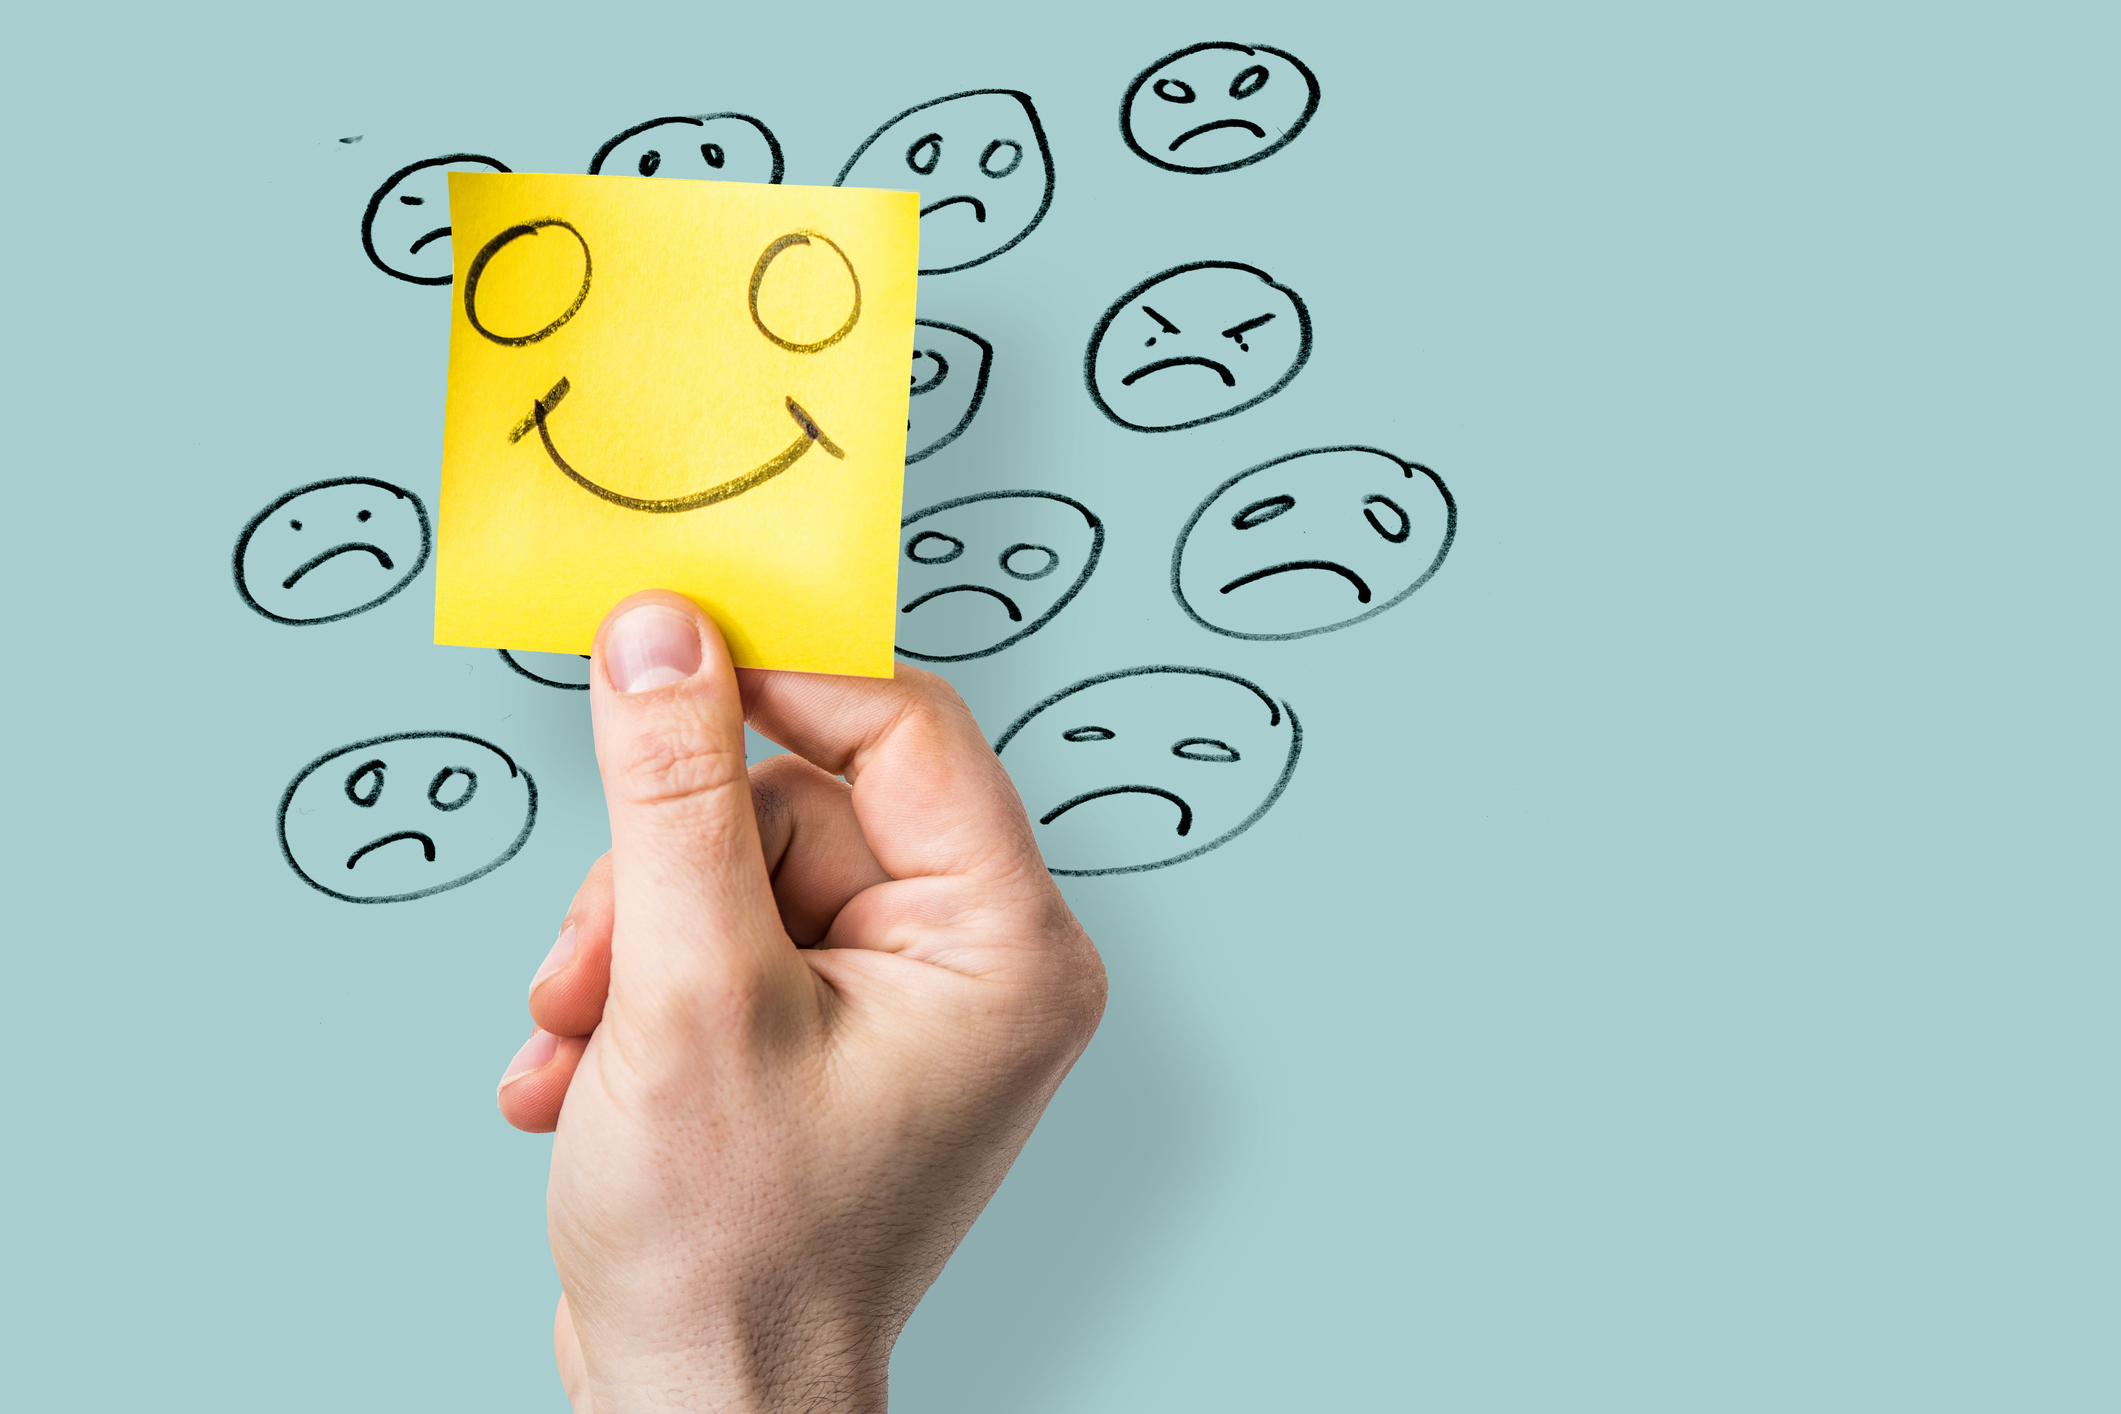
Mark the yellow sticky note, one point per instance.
(687, 385)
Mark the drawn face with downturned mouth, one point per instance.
(715, 147)
(949, 381)
(531, 281)
(400, 817)
(1148, 767)
(979, 161)
(405, 229)
(1195, 343)
(1311, 542)
(979, 573)
(330, 550)
(1216, 107)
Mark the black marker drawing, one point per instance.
(1148, 767)
(979, 573)
(980, 162)
(1311, 542)
(950, 366)
(563, 670)
(405, 229)
(1216, 107)
(1195, 343)
(538, 419)
(403, 816)
(330, 550)
(718, 147)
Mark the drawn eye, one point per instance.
(1009, 555)
(914, 548)
(1260, 512)
(806, 293)
(1248, 81)
(1406, 522)
(413, 200)
(442, 778)
(296, 524)
(1015, 159)
(365, 796)
(1088, 734)
(925, 153)
(1204, 748)
(650, 160)
(1174, 91)
(942, 371)
(362, 517)
(712, 151)
(521, 277)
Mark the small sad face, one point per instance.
(1217, 107)
(948, 382)
(715, 147)
(1148, 767)
(405, 229)
(979, 161)
(982, 572)
(1312, 542)
(1196, 343)
(400, 817)
(330, 550)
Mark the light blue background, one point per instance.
(1680, 975)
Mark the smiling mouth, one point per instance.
(1185, 811)
(1191, 133)
(436, 234)
(1229, 380)
(1016, 615)
(1362, 590)
(372, 846)
(350, 547)
(812, 435)
(979, 208)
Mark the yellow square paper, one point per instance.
(698, 386)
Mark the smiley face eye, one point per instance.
(1248, 81)
(1010, 568)
(807, 293)
(1175, 91)
(1015, 159)
(531, 283)
(368, 795)
(925, 153)
(1204, 748)
(1088, 734)
(942, 371)
(1260, 512)
(650, 160)
(363, 516)
(1406, 522)
(934, 555)
(443, 778)
(296, 524)
(712, 151)
(413, 200)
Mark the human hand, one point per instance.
(795, 1030)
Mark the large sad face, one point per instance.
(330, 550)
(1217, 107)
(1148, 767)
(982, 572)
(405, 229)
(1311, 542)
(979, 161)
(1196, 343)
(401, 817)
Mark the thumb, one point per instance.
(694, 925)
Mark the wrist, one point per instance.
(736, 1365)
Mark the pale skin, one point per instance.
(799, 1023)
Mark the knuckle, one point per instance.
(678, 761)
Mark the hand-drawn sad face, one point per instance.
(1312, 541)
(1194, 344)
(406, 227)
(949, 380)
(715, 147)
(331, 549)
(1148, 767)
(1215, 107)
(979, 161)
(981, 572)
(400, 817)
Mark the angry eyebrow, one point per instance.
(1169, 327)
(1238, 331)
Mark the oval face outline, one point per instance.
(521, 669)
(252, 526)
(925, 151)
(1094, 735)
(363, 786)
(1234, 333)
(1216, 98)
(1005, 575)
(1251, 512)
(379, 203)
(942, 375)
(664, 167)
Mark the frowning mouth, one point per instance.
(1229, 380)
(812, 435)
(352, 547)
(1016, 615)
(372, 846)
(1362, 590)
(1191, 133)
(1185, 811)
(979, 208)
(436, 234)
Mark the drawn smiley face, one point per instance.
(982, 572)
(1216, 107)
(980, 162)
(1311, 542)
(330, 550)
(404, 816)
(405, 229)
(1195, 343)
(950, 367)
(717, 147)
(1149, 767)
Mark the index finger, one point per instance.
(931, 795)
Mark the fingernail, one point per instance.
(651, 646)
(562, 953)
(536, 1051)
